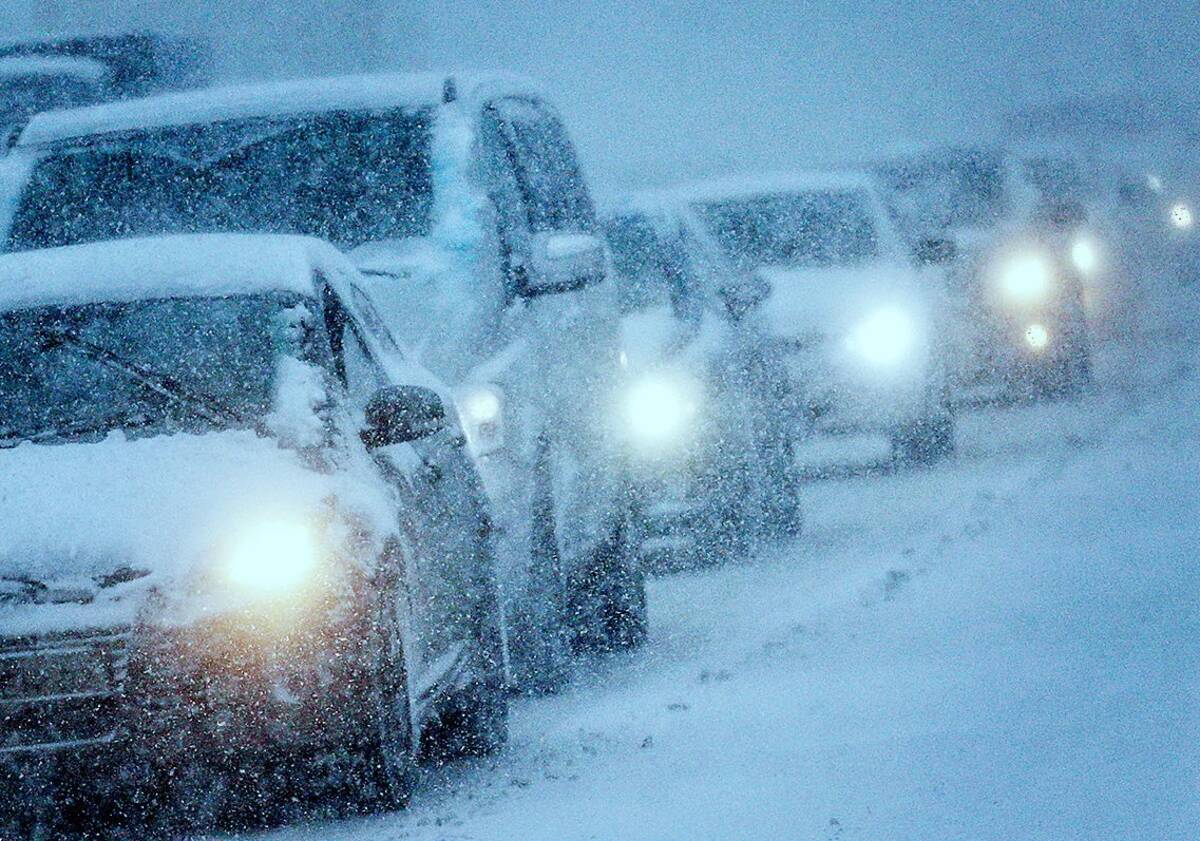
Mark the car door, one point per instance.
(451, 578)
(536, 186)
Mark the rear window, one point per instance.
(347, 177)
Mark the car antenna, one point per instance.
(449, 90)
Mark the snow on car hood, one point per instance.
(827, 301)
(163, 505)
(653, 337)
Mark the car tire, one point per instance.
(785, 514)
(388, 753)
(925, 441)
(610, 608)
(539, 636)
(474, 720)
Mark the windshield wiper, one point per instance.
(206, 407)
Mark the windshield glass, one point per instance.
(961, 190)
(651, 270)
(814, 228)
(345, 177)
(156, 366)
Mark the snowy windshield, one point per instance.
(651, 269)
(148, 367)
(346, 177)
(963, 189)
(814, 228)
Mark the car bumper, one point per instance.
(153, 695)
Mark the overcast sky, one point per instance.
(656, 91)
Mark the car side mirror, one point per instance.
(935, 251)
(563, 262)
(401, 413)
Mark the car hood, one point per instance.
(150, 512)
(653, 338)
(828, 301)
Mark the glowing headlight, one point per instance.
(1027, 278)
(481, 406)
(1085, 254)
(274, 558)
(1037, 336)
(658, 410)
(885, 337)
(1181, 216)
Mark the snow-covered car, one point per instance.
(709, 446)
(230, 538)
(866, 336)
(461, 201)
(66, 72)
(1025, 260)
(29, 84)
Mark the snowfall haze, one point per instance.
(613, 420)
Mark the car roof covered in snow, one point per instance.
(190, 265)
(753, 185)
(270, 99)
(15, 67)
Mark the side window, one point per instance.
(352, 362)
(363, 376)
(504, 190)
(552, 188)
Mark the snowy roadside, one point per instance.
(994, 648)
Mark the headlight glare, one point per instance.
(1181, 216)
(272, 558)
(884, 338)
(1085, 254)
(658, 410)
(1027, 278)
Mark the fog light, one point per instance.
(1036, 336)
(1181, 216)
(1085, 255)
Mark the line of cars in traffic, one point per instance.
(332, 410)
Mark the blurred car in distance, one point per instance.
(866, 336)
(705, 420)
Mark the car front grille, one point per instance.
(61, 691)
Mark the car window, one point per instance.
(347, 177)
(555, 194)
(652, 269)
(363, 375)
(807, 228)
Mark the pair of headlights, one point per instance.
(1028, 278)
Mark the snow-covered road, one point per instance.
(1005, 646)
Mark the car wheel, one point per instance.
(926, 440)
(539, 640)
(785, 515)
(474, 720)
(389, 756)
(610, 605)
